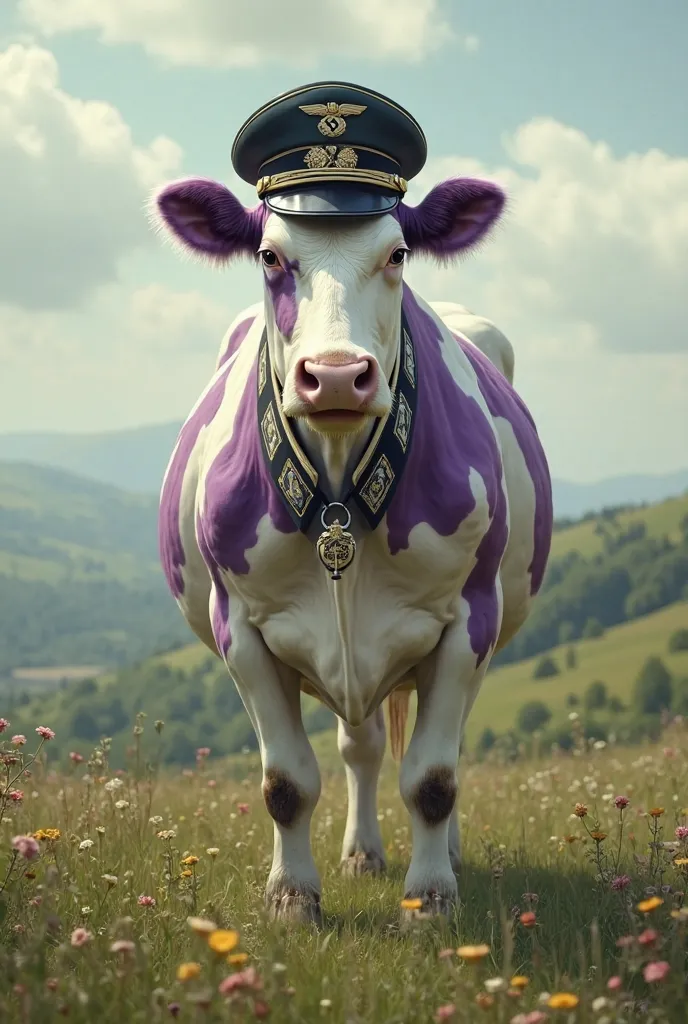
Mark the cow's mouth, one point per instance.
(329, 421)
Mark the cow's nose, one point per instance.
(325, 386)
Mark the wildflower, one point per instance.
(620, 883)
(534, 1017)
(190, 860)
(122, 946)
(85, 844)
(614, 983)
(657, 812)
(325, 1004)
(580, 810)
(599, 837)
(85, 911)
(519, 981)
(681, 862)
(242, 979)
(484, 1000)
(599, 1004)
(681, 914)
(121, 805)
(186, 873)
(645, 906)
(495, 985)
(238, 959)
(473, 953)
(113, 785)
(188, 971)
(648, 937)
(445, 1012)
(411, 904)
(16, 795)
(26, 847)
(19, 741)
(45, 733)
(562, 1001)
(100, 830)
(656, 970)
(202, 752)
(223, 940)
(260, 1009)
(174, 1009)
(681, 832)
(146, 901)
(446, 954)
(167, 833)
(621, 802)
(111, 880)
(213, 851)
(47, 834)
(243, 808)
(80, 936)
(201, 925)
(528, 919)
(75, 757)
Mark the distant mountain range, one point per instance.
(135, 460)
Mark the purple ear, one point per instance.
(204, 217)
(454, 216)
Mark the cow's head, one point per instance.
(333, 290)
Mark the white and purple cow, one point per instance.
(444, 581)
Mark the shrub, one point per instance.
(545, 668)
(572, 700)
(592, 629)
(678, 641)
(533, 715)
(596, 696)
(653, 691)
(487, 740)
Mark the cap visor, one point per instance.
(333, 201)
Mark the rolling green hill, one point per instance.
(80, 581)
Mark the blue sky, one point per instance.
(501, 97)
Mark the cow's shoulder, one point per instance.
(237, 331)
(479, 331)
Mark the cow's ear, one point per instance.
(454, 216)
(204, 218)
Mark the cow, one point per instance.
(419, 598)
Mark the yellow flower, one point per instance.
(190, 860)
(645, 906)
(599, 837)
(681, 862)
(237, 959)
(52, 834)
(187, 873)
(473, 953)
(519, 981)
(223, 940)
(201, 925)
(414, 904)
(188, 971)
(657, 812)
(679, 915)
(562, 1001)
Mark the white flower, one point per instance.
(121, 805)
(495, 984)
(601, 1003)
(113, 785)
(85, 911)
(155, 820)
(110, 879)
(86, 844)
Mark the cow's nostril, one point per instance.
(305, 380)
(365, 378)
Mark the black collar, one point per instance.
(373, 482)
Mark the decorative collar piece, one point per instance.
(374, 481)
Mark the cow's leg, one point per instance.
(447, 683)
(362, 749)
(291, 779)
(455, 838)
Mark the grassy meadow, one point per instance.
(571, 910)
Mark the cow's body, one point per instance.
(446, 577)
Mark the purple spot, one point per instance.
(207, 218)
(503, 401)
(235, 340)
(169, 535)
(282, 290)
(239, 491)
(453, 216)
(220, 620)
(451, 436)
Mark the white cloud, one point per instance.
(236, 33)
(78, 184)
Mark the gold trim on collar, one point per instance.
(287, 179)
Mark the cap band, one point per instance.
(289, 179)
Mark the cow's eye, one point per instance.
(270, 258)
(398, 256)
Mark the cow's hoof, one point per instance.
(363, 864)
(427, 904)
(295, 907)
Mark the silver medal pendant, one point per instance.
(335, 546)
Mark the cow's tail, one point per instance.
(398, 707)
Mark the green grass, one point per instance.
(661, 519)
(361, 966)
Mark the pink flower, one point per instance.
(146, 901)
(45, 733)
(445, 1012)
(76, 758)
(620, 883)
(681, 832)
(122, 946)
(80, 936)
(18, 740)
(16, 795)
(621, 802)
(243, 808)
(4, 724)
(626, 941)
(648, 937)
(656, 970)
(534, 1017)
(242, 979)
(212, 783)
(26, 847)
(614, 983)
(202, 752)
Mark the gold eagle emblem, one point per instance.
(332, 116)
